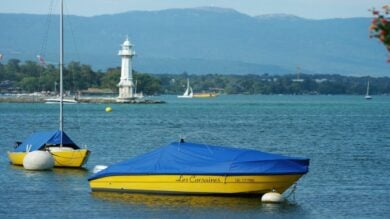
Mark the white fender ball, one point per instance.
(38, 160)
(272, 197)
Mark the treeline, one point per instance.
(33, 77)
(277, 84)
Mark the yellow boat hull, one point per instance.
(71, 158)
(195, 184)
(205, 95)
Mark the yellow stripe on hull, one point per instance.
(72, 158)
(204, 95)
(16, 158)
(195, 184)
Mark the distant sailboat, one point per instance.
(368, 97)
(188, 93)
(58, 99)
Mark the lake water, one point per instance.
(346, 137)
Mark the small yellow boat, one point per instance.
(188, 168)
(67, 154)
(204, 95)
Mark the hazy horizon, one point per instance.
(311, 9)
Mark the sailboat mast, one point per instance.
(61, 67)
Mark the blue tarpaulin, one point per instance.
(190, 158)
(38, 140)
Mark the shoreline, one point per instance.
(110, 100)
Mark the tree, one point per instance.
(147, 84)
(80, 77)
(111, 79)
(12, 69)
(380, 26)
(31, 68)
(49, 79)
(2, 72)
(29, 84)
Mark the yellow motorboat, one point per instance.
(188, 168)
(204, 95)
(67, 154)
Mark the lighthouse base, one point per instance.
(125, 100)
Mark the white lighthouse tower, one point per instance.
(126, 85)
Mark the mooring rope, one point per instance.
(45, 37)
(292, 192)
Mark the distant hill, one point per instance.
(201, 40)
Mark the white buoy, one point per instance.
(38, 160)
(272, 197)
(99, 168)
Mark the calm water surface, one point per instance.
(346, 137)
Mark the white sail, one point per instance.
(187, 90)
(368, 97)
(191, 92)
(188, 93)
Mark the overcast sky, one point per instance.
(315, 9)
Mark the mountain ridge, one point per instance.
(202, 40)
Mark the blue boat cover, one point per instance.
(38, 140)
(190, 158)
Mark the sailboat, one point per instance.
(368, 97)
(58, 100)
(65, 152)
(188, 93)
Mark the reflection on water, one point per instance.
(71, 171)
(68, 171)
(193, 202)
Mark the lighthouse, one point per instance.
(126, 85)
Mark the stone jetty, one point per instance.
(103, 100)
